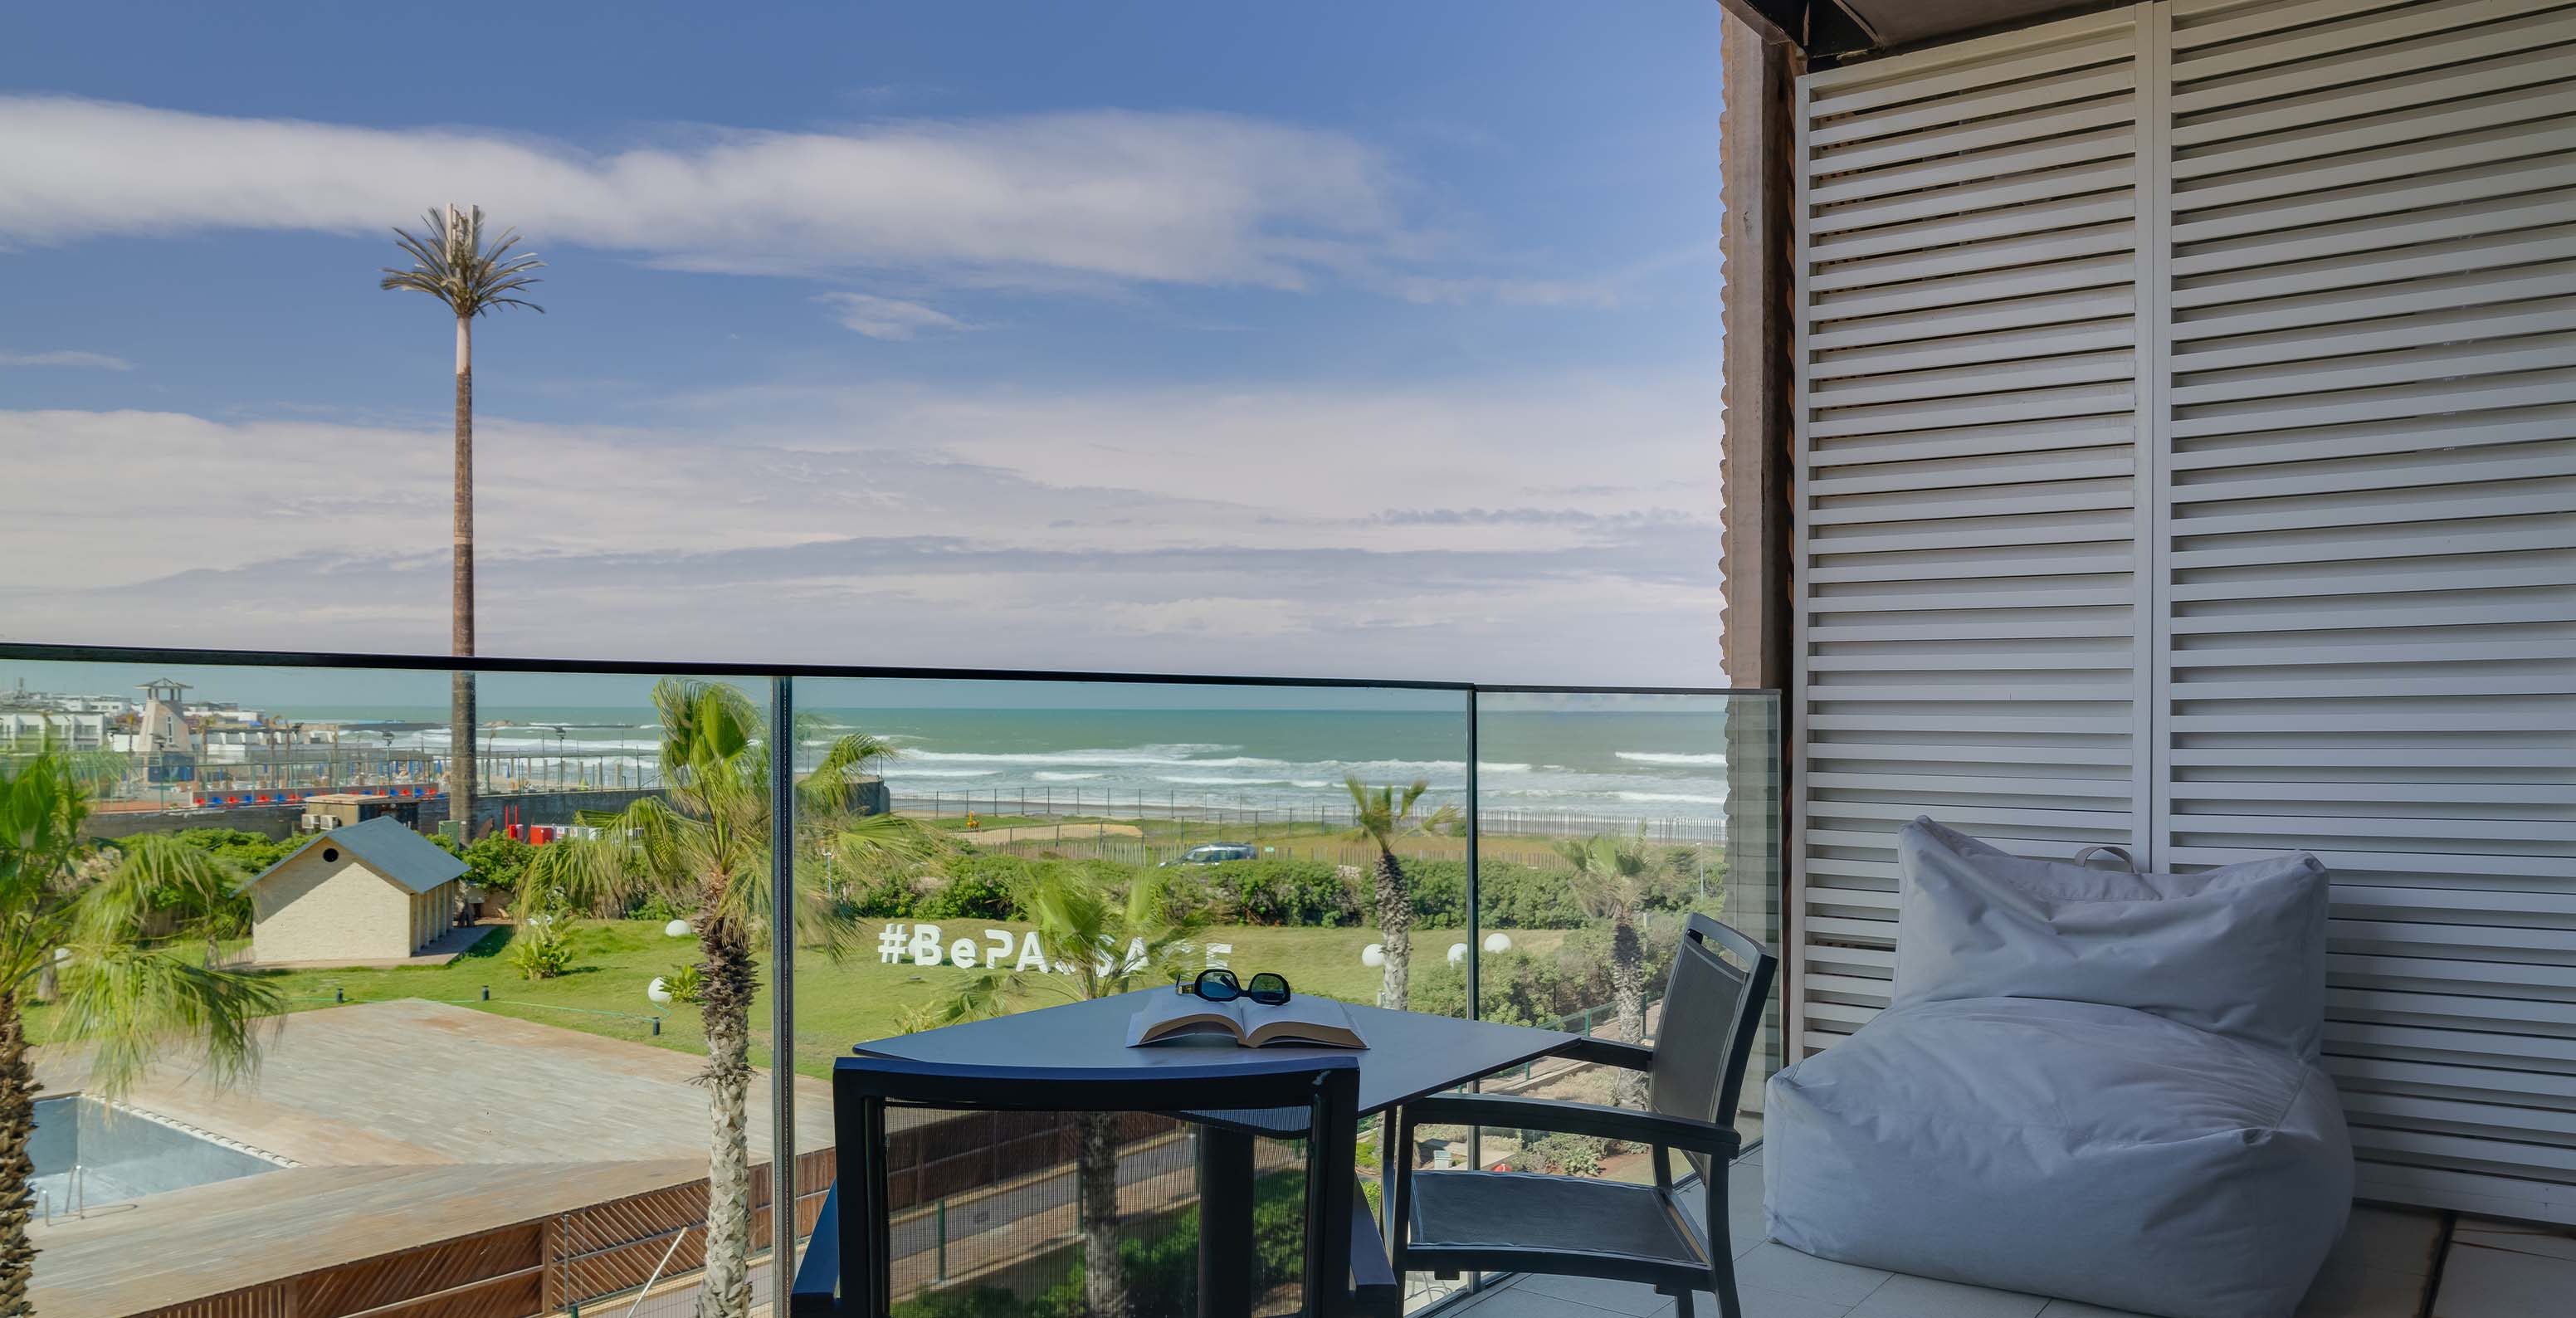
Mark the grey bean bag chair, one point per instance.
(2089, 1084)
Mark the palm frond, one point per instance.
(134, 1004)
(451, 262)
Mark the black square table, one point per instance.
(1410, 1054)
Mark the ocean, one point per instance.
(1652, 764)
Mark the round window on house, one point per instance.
(330, 853)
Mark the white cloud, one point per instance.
(887, 318)
(96, 361)
(1108, 195)
(1556, 529)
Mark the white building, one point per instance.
(69, 730)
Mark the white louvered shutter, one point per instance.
(2349, 435)
(1973, 603)
(2369, 545)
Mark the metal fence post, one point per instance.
(782, 992)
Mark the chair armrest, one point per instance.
(1610, 1052)
(1597, 1119)
(818, 1274)
(1376, 1292)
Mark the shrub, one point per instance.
(891, 896)
(497, 862)
(1509, 895)
(978, 887)
(684, 983)
(541, 947)
(1561, 1154)
(656, 907)
(246, 851)
(1311, 893)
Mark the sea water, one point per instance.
(1637, 759)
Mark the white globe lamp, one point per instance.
(1498, 942)
(1457, 953)
(659, 992)
(1373, 955)
(678, 929)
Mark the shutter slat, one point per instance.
(2214, 501)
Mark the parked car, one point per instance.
(1216, 853)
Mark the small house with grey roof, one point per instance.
(368, 892)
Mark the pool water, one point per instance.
(122, 1155)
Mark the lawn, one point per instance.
(837, 1004)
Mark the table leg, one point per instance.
(1389, 1170)
(1225, 1223)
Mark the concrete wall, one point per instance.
(274, 821)
(533, 807)
(322, 905)
(280, 821)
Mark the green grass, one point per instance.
(837, 1004)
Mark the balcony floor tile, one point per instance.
(1921, 1297)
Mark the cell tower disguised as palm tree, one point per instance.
(450, 262)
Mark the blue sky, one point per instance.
(1328, 339)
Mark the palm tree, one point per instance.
(1613, 878)
(1099, 946)
(1382, 816)
(456, 267)
(135, 1002)
(704, 844)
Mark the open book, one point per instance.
(1313, 1021)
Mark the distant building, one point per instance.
(27, 728)
(325, 811)
(164, 726)
(372, 891)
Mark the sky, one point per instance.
(1323, 340)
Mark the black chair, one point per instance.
(1518, 1222)
(919, 1122)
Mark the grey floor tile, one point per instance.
(1777, 1267)
(1921, 1297)
(1743, 1210)
(2078, 1309)
(1626, 1297)
(1760, 1303)
(2389, 1240)
(2520, 1237)
(1513, 1302)
(2364, 1293)
(2481, 1281)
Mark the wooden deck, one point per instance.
(413, 1121)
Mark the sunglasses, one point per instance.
(1218, 984)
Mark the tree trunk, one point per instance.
(17, 1122)
(726, 980)
(460, 720)
(1395, 931)
(1104, 1274)
(1628, 1000)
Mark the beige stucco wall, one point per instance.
(313, 909)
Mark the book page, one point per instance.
(1302, 1020)
(1179, 1015)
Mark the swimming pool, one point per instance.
(122, 1154)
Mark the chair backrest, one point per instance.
(1712, 1012)
(1010, 1141)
